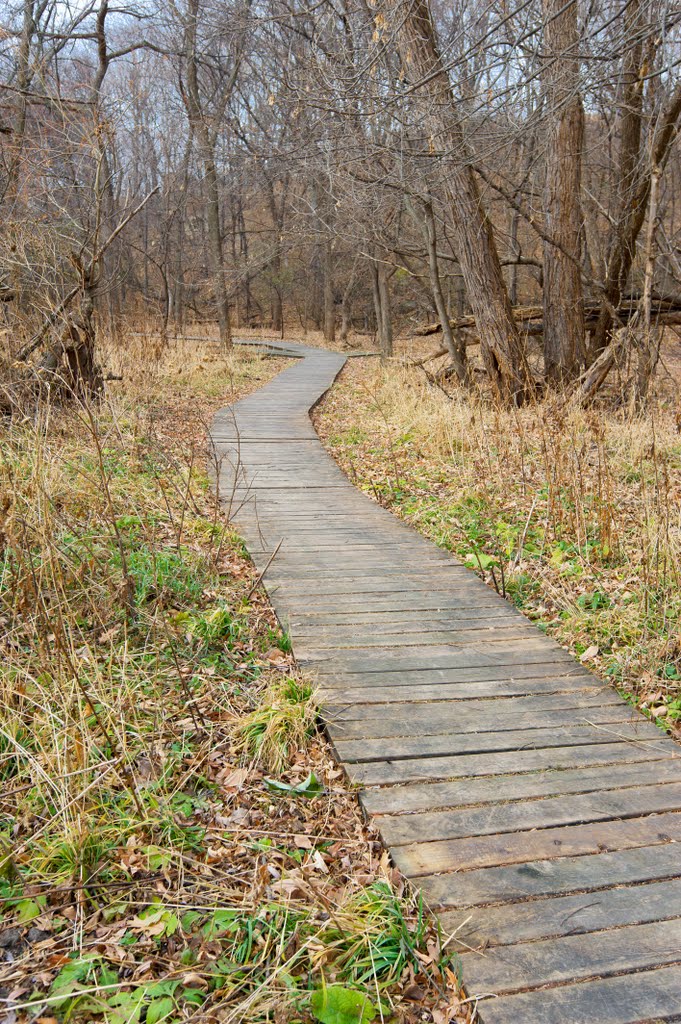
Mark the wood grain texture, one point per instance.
(538, 813)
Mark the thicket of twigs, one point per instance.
(381, 167)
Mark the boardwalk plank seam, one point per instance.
(559, 880)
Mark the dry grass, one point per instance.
(575, 516)
(151, 870)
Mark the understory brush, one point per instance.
(574, 515)
(174, 841)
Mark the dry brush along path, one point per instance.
(537, 812)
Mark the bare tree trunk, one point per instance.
(381, 295)
(386, 325)
(329, 304)
(630, 121)
(206, 135)
(24, 78)
(515, 250)
(455, 346)
(346, 306)
(564, 347)
(633, 217)
(244, 257)
(651, 334)
(277, 304)
(18, 132)
(215, 246)
(177, 311)
(501, 345)
(376, 295)
(278, 214)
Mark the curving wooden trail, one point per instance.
(539, 815)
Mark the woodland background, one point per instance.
(347, 166)
(484, 194)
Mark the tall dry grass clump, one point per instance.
(106, 541)
(574, 514)
(150, 867)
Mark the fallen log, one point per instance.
(664, 311)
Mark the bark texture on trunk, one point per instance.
(455, 346)
(624, 247)
(206, 137)
(564, 348)
(501, 345)
(346, 306)
(630, 123)
(277, 205)
(386, 313)
(381, 295)
(329, 304)
(650, 336)
(217, 262)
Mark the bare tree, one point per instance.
(564, 347)
(502, 348)
(212, 53)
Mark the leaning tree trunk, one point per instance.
(562, 294)
(622, 256)
(501, 345)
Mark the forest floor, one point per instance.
(573, 515)
(176, 842)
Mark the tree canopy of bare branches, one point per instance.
(368, 167)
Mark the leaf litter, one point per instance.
(156, 865)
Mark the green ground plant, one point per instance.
(173, 842)
(573, 515)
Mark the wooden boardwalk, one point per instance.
(537, 812)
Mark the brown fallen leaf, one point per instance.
(236, 779)
(319, 862)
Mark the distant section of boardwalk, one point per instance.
(537, 812)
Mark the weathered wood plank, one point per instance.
(540, 844)
(334, 697)
(503, 770)
(479, 887)
(645, 998)
(399, 617)
(549, 671)
(418, 599)
(564, 915)
(520, 815)
(382, 773)
(505, 708)
(309, 583)
(414, 626)
(456, 636)
(495, 789)
(397, 748)
(429, 719)
(531, 965)
(514, 654)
